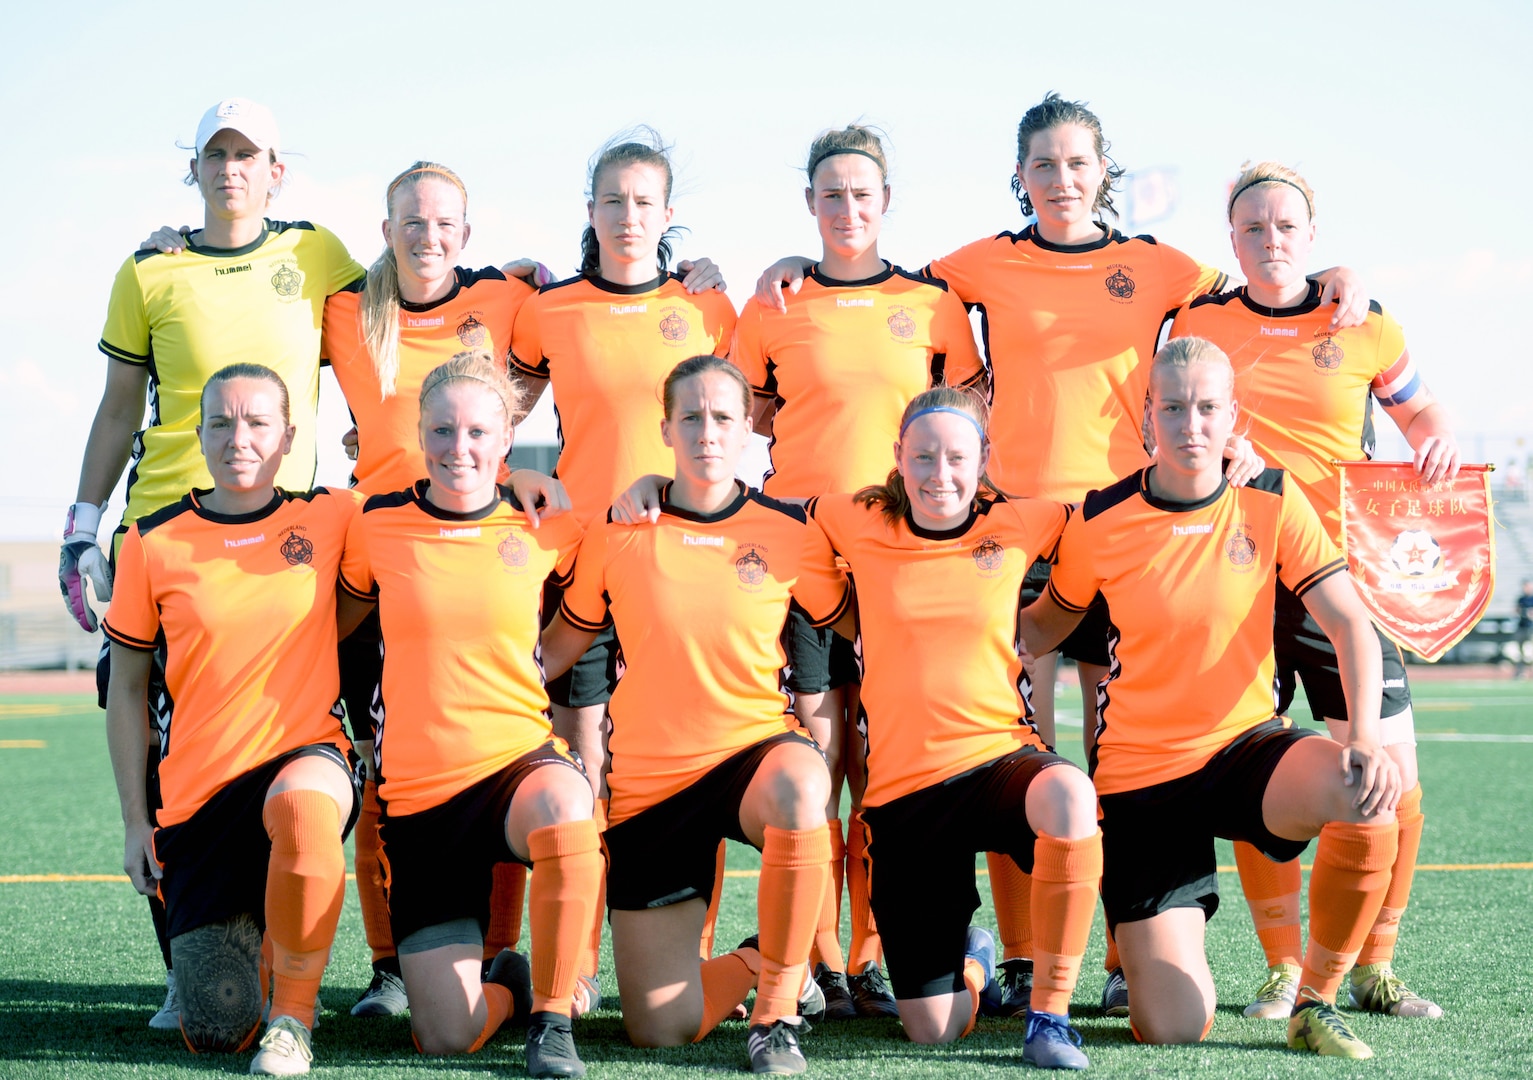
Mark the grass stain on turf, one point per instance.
(80, 974)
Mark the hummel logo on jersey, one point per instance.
(853, 303)
(244, 541)
(1280, 331)
(222, 270)
(688, 540)
(627, 309)
(474, 531)
(1191, 530)
(439, 320)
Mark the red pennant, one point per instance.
(1423, 556)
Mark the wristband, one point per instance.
(83, 520)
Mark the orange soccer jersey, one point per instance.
(1306, 394)
(943, 684)
(459, 597)
(477, 314)
(247, 606)
(1190, 587)
(699, 602)
(608, 348)
(842, 364)
(1069, 332)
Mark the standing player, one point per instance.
(415, 309)
(954, 764)
(1071, 311)
(1307, 393)
(470, 774)
(832, 374)
(703, 744)
(605, 341)
(1187, 745)
(238, 582)
(245, 289)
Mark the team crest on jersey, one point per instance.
(674, 327)
(471, 332)
(287, 281)
(901, 324)
(1119, 285)
(989, 556)
(750, 566)
(1328, 355)
(296, 548)
(1240, 549)
(512, 548)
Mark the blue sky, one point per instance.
(1409, 119)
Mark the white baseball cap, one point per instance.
(251, 120)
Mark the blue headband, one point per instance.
(946, 409)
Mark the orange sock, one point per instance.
(371, 893)
(591, 962)
(1012, 891)
(507, 891)
(1346, 890)
(866, 946)
(711, 920)
(827, 935)
(1379, 947)
(497, 1002)
(567, 870)
(1272, 892)
(1112, 961)
(305, 885)
(794, 866)
(727, 981)
(974, 980)
(1065, 876)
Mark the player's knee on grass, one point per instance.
(218, 983)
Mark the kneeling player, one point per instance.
(704, 745)
(255, 774)
(954, 766)
(1187, 745)
(470, 774)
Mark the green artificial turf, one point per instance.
(80, 973)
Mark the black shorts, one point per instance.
(160, 704)
(1087, 643)
(819, 659)
(215, 861)
(1303, 652)
(594, 676)
(438, 862)
(361, 656)
(1158, 841)
(667, 853)
(920, 854)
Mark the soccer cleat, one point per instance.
(284, 1049)
(774, 1048)
(871, 996)
(1316, 1025)
(811, 999)
(1052, 1042)
(1274, 1001)
(551, 1046)
(385, 995)
(511, 970)
(1376, 988)
(1012, 991)
(838, 996)
(1115, 994)
(169, 1016)
(587, 996)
